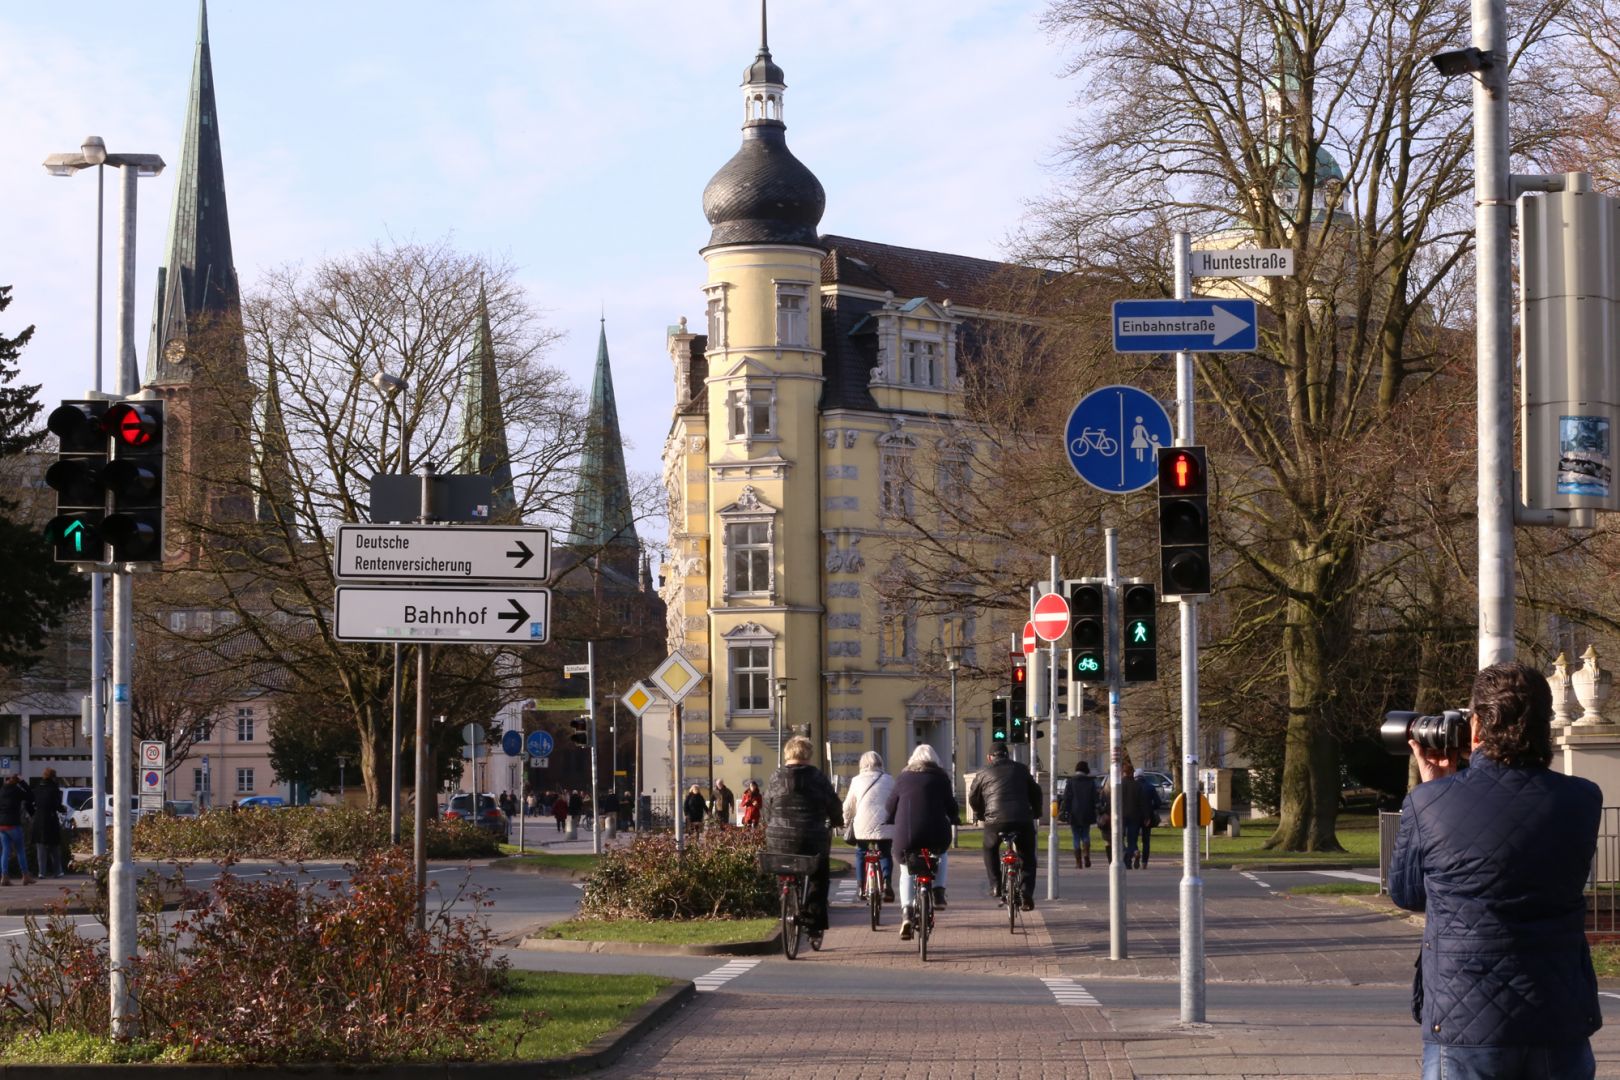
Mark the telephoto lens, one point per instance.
(1445, 733)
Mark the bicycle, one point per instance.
(793, 880)
(1094, 439)
(1012, 878)
(874, 883)
(923, 867)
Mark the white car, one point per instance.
(84, 818)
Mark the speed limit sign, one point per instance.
(154, 754)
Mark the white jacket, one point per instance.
(866, 805)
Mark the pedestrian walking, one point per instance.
(45, 830)
(866, 808)
(559, 810)
(801, 810)
(530, 804)
(1080, 811)
(724, 804)
(1130, 812)
(1152, 802)
(921, 808)
(576, 806)
(1007, 799)
(1496, 856)
(695, 809)
(14, 802)
(752, 800)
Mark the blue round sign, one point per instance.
(540, 744)
(512, 743)
(1113, 438)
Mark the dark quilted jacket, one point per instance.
(800, 804)
(1497, 859)
(922, 808)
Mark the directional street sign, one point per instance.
(576, 669)
(1197, 325)
(443, 553)
(511, 743)
(638, 699)
(514, 616)
(1051, 617)
(1113, 438)
(1031, 639)
(1243, 262)
(539, 744)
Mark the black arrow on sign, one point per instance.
(517, 615)
(523, 554)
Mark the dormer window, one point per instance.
(921, 363)
(792, 315)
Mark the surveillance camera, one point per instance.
(1461, 61)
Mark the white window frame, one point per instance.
(244, 723)
(896, 497)
(793, 322)
(743, 407)
(716, 315)
(916, 348)
(752, 546)
(890, 612)
(755, 658)
(244, 780)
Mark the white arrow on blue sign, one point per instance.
(1198, 325)
(540, 744)
(1113, 438)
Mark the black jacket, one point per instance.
(799, 804)
(695, 807)
(1497, 858)
(724, 802)
(576, 805)
(1080, 799)
(1004, 793)
(46, 828)
(14, 799)
(922, 808)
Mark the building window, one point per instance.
(751, 678)
(792, 315)
(897, 633)
(953, 630)
(748, 554)
(880, 745)
(717, 321)
(976, 740)
(894, 493)
(200, 781)
(244, 725)
(244, 781)
(920, 365)
(953, 484)
(753, 413)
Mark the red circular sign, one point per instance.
(1051, 617)
(1030, 641)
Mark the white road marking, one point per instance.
(847, 893)
(1256, 880)
(717, 978)
(1348, 875)
(1605, 993)
(1069, 992)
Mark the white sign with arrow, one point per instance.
(443, 553)
(457, 616)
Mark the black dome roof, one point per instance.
(763, 70)
(764, 195)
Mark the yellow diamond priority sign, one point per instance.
(638, 699)
(676, 677)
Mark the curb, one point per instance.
(1283, 866)
(601, 1052)
(535, 943)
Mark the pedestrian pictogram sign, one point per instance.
(1051, 617)
(1031, 641)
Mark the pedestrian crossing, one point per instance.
(1069, 992)
(723, 974)
(848, 893)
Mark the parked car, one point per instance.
(490, 818)
(84, 817)
(261, 802)
(186, 808)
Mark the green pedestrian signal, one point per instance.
(1139, 632)
(1141, 653)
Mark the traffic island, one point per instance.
(681, 937)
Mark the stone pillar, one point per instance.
(1590, 745)
(1563, 694)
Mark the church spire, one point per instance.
(602, 520)
(483, 421)
(272, 467)
(197, 281)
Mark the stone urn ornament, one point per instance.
(1592, 687)
(1563, 695)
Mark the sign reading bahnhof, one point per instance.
(495, 616)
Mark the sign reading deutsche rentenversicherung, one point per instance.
(441, 553)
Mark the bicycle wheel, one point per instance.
(925, 918)
(1010, 891)
(790, 921)
(804, 899)
(874, 895)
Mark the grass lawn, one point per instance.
(573, 863)
(1606, 961)
(1337, 888)
(1358, 835)
(546, 1014)
(663, 932)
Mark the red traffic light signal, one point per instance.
(134, 424)
(1184, 567)
(134, 479)
(1181, 471)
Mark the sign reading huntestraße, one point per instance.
(1243, 262)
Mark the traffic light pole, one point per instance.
(1192, 884)
(1117, 946)
(590, 684)
(1051, 755)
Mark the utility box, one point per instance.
(1570, 319)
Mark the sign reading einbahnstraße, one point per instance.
(443, 553)
(514, 616)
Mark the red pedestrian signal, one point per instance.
(1184, 568)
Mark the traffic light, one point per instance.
(998, 721)
(1139, 606)
(1183, 521)
(81, 500)
(581, 735)
(1017, 709)
(134, 479)
(1088, 631)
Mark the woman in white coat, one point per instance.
(866, 807)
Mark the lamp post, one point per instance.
(953, 662)
(781, 715)
(122, 942)
(390, 387)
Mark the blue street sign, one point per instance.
(1198, 325)
(512, 743)
(540, 744)
(1113, 438)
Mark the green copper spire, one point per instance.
(197, 281)
(483, 422)
(602, 517)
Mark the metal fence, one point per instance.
(1389, 825)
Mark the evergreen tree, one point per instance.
(35, 592)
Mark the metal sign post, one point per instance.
(1117, 947)
(1051, 756)
(590, 683)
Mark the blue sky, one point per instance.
(573, 140)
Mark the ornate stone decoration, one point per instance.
(1592, 688)
(844, 558)
(1563, 696)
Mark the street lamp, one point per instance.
(953, 662)
(390, 386)
(781, 714)
(94, 153)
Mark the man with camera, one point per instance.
(1496, 855)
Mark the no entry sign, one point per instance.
(1051, 617)
(1030, 640)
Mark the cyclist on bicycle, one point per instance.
(1008, 800)
(922, 808)
(865, 807)
(801, 809)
